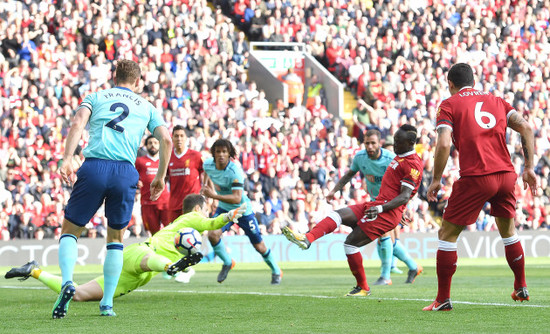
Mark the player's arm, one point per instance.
(401, 199)
(341, 183)
(518, 124)
(442, 152)
(233, 198)
(165, 150)
(73, 137)
(202, 224)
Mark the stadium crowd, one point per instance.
(392, 54)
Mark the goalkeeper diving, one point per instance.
(144, 260)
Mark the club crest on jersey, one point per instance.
(415, 174)
(186, 163)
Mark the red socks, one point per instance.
(325, 226)
(446, 267)
(355, 262)
(516, 261)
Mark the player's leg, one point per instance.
(165, 217)
(503, 209)
(215, 238)
(119, 203)
(85, 292)
(90, 291)
(402, 254)
(354, 241)
(151, 218)
(87, 196)
(514, 256)
(468, 197)
(385, 252)
(172, 215)
(111, 268)
(446, 262)
(346, 216)
(249, 224)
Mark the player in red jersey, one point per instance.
(475, 122)
(184, 171)
(370, 220)
(154, 214)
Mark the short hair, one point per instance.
(223, 143)
(461, 75)
(373, 132)
(127, 71)
(178, 127)
(410, 131)
(147, 139)
(192, 200)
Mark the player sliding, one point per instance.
(370, 220)
(142, 261)
(476, 123)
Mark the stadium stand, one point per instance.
(392, 54)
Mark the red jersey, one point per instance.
(404, 170)
(147, 169)
(478, 121)
(184, 172)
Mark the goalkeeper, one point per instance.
(144, 260)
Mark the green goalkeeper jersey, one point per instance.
(163, 241)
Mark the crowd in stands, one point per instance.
(393, 54)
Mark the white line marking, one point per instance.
(252, 293)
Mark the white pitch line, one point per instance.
(251, 293)
(335, 297)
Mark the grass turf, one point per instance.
(309, 300)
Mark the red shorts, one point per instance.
(470, 194)
(383, 223)
(154, 218)
(174, 214)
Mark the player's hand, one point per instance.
(156, 188)
(330, 196)
(373, 211)
(530, 180)
(433, 189)
(207, 191)
(406, 218)
(67, 172)
(235, 214)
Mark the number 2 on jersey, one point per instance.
(113, 123)
(480, 115)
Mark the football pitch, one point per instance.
(309, 300)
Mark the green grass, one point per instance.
(310, 300)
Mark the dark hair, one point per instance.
(410, 131)
(461, 75)
(178, 127)
(223, 143)
(373, 132)
(147, 139)
(127, 71)
(192, 200)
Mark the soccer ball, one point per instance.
(187, 241)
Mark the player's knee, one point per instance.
(260, 247)
(214, 237)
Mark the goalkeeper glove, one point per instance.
(235, 214)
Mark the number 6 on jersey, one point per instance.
(479, 114)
